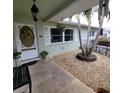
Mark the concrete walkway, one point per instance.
(47, 77)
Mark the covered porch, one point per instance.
(50, 13)
(48, 76)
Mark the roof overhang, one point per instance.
(77, 7)
(75, 24)
(52, 10)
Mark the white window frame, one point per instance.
(63, 34)
(54, 35)
(73, 35)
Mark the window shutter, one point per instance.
(76, 38)
(47, 37)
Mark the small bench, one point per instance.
(21, 77)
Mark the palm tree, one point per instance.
(86, 54)
(79, 33)
(101, 18)
(87, 14)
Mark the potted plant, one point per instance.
(16, 56)
(44, 54)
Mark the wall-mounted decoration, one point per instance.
(27, 36)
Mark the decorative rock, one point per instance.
(93, 74)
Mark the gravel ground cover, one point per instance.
(93, 74)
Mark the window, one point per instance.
(92, 33)
(68, 34)
(56, 36)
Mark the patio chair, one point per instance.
(21, 77)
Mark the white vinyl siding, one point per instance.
(76, 38)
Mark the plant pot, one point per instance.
(18, 61)
(44, 59)
(43, 55)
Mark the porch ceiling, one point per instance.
(52, 10)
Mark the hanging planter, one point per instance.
(60, 27)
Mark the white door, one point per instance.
(26, 41)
